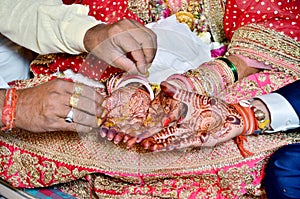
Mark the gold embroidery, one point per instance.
(39, 159)
(5, 151)
(44, 59)
(279, 50)
(214, 11)
(141, 9)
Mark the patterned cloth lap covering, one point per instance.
(86, 165)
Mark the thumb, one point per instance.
(168, 89)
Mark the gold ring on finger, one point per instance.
(78, 89)
(74, 99)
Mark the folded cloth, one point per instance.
(178, 49)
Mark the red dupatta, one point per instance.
(282, 16)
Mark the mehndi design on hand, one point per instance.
(127, 109)
(207, 121)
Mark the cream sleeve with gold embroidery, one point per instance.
(46, 26)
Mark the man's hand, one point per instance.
(127, 45)
(44, 107)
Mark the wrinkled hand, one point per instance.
(206, 122)
(126, 44)
(44, 107)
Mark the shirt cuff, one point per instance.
(77, 28)
(283, 116)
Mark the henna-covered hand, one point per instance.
(127, 109)
(206, 121)
(132, 116)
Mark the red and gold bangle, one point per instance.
(9, 109)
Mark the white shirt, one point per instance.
(43, 26)
(282, 114)
(14, 62)
(46, 26)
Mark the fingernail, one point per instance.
(130, 143)
(166, 122)
(103, 132)
(126, 138)
(145, 144)
(116, 141)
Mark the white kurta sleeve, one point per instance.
(46, 26)
(14, 61)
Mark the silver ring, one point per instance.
(69, 117)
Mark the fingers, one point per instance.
(132, 51)
(74, 126)
(126, 64)
(149, 132)
(152, 145)
(83, 108)
(149, 44)
(127, 45)
(59, 105)
(117, 137)
(173, 138)
(168, 89)
(88, 99)
(160, 140)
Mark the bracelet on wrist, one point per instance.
(125, 79)
(9, 109)
(181, 81)
(262, 123)
(231, 66)
(247, 114)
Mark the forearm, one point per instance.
(46, 27)
(213, 77)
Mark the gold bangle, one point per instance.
(231, 66)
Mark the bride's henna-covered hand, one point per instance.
(206, 122)
(127, 109)
(132, 116)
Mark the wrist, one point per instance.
(262, 115)
(124, 79)
(92, 37)
(213, 77)
(257, 116)
(9, 109)
(246, 112)
(242, 68)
